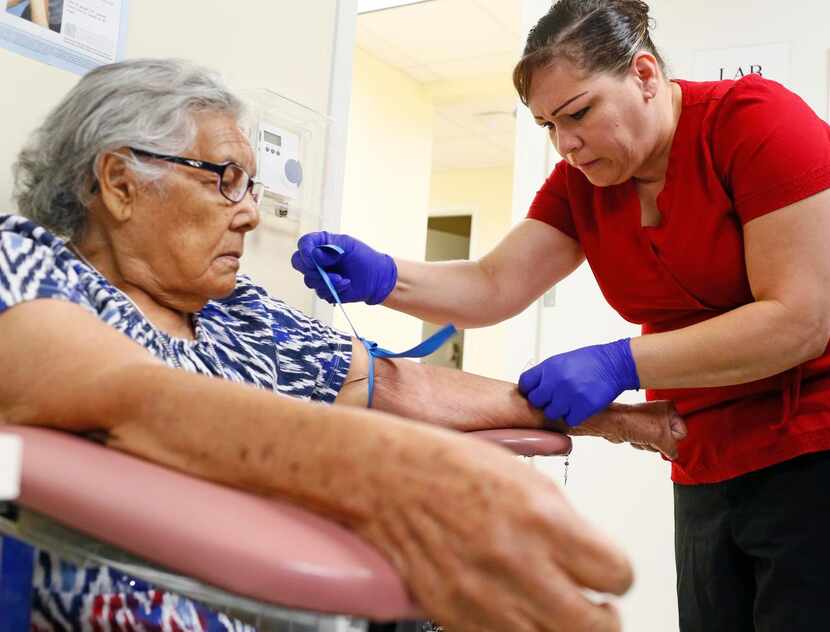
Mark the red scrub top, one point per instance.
(741, 149)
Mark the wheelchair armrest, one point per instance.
(259, 548)
(525, 442)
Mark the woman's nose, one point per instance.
(247, 214)
(565, 142)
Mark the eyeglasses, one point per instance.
(234, 181)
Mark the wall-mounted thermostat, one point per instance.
(280, 166)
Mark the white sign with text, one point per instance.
(770, 60)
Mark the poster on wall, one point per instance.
(76, 35)
(770, 60)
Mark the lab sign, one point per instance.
(771, 61)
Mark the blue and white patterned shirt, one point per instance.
(247, 337)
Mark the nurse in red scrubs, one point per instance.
(703, 210)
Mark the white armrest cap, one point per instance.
(11, 452)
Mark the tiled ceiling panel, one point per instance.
(453, 27)
(443, 42)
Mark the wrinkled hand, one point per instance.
(487, 543)
(580, 383)
(652, 426)
(360, 273)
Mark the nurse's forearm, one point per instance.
(529, 260)
(746, 344)
(460, 292)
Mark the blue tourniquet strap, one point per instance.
(425, 348)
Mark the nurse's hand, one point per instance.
(359, 273)
(578, 384)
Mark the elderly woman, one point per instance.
(120, 300)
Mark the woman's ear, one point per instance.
(646, 72)
(117, 186)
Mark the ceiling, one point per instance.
(463, 52)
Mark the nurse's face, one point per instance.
(602, 124)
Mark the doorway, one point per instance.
(448, 239)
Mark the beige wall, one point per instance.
(486, 194)
(386, 189)
(284, 46)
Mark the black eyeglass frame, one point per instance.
(218, 169)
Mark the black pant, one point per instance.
(753, 553)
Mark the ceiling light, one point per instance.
(370, 6)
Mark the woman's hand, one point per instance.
(359, 273)
(490, 544)
(578, 384)
(652, 426)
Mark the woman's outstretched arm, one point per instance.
(465, 401)
(453, 515)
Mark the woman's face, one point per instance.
(601, 124)
(183, 240)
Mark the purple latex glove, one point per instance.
(360, 273)
(578, 384)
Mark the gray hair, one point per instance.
(144, 103)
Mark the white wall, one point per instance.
(686, 27)
(625, 492)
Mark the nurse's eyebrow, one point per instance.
(556, 111)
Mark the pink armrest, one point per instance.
(248, 545)
(528, 442)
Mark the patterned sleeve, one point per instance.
(313, 359)
(28, 271)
